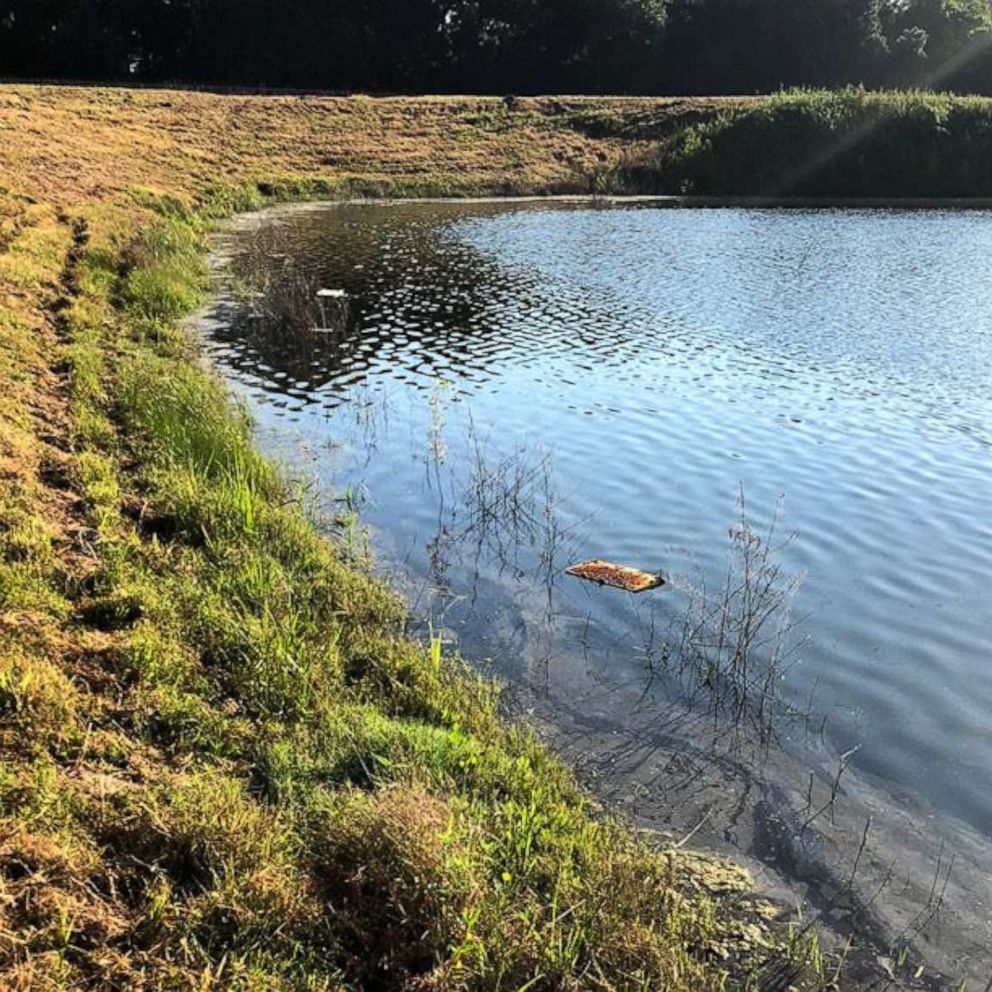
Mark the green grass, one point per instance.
(818, 143)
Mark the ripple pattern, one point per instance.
(664, 359)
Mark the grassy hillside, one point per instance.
(222, 764)
(825, 144)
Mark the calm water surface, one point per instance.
(624, 374)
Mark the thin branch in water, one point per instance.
(861, 851)
(845, 760)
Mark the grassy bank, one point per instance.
(234, 770)
(222, 764)
(831, 145)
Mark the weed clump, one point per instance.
(404, 877)
(37, 704)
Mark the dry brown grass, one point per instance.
(72, 146)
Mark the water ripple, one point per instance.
(663, 358)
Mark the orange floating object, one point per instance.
(617, 576)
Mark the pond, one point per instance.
(786, 412)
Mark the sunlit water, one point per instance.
(611, 380)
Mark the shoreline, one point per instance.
(666, 200)
(234, 734)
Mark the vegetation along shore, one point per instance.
(222, 763)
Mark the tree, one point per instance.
(505, 46)
(939, 43)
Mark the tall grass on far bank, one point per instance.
(828, 144)
(255, 781)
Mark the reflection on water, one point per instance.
(515, 388)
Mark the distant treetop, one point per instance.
(504, 46)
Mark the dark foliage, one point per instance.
(504, 46)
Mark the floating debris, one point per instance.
(331, 294)
(617, 576)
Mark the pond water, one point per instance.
(509, 388)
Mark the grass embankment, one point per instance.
(827, 145)
(222, 765)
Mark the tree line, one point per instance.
(505, 46)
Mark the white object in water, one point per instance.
(331, 294)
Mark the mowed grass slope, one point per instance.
(222, 763)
